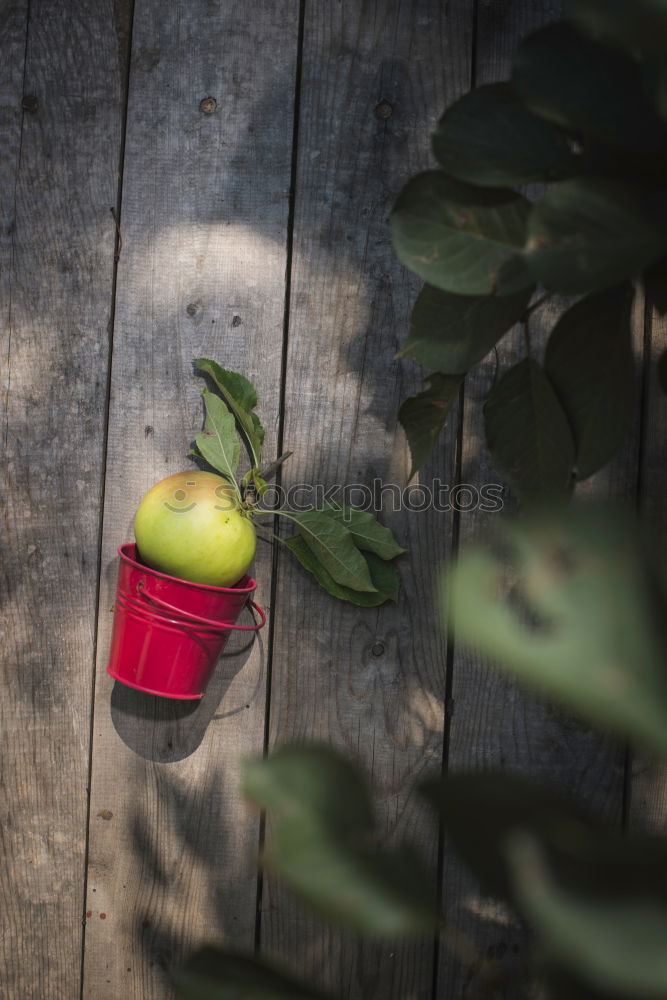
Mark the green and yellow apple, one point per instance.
(190, 525)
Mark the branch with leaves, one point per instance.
(584, 115)
(350, 554)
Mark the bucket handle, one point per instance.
(211, 622)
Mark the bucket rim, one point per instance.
(128, 553)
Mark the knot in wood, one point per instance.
(383, 110)
(208, 105)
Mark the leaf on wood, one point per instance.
(528, 434)
(333, 546)
(479, 810)
(424, 415)
(367, 532)
(569, 610)
(323, 843)
(383, 574)
(614, 943)
(461, 238)
(590, 233)
(219, 442)
(490, 137)
(241, 397)
(451, 333)
(221, 974)
(588, 87)
(589, 361)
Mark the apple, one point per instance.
(189, 525)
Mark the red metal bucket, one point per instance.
(168, 633)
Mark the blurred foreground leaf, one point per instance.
(323, 842)
(566, 606)
(479, 810)
(214, 974)
(618, 944)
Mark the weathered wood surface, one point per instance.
(373, 681)
(201, 273)
(213, 262)
(59, 178)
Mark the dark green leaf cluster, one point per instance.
(585, 116)
(573, 612)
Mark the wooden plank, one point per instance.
(58, 180)
(202, 273)
(494, 723)
(375, 78)
(647, 805)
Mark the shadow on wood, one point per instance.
(172, 730)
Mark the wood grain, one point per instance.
(59, 163)
(201, 273)
(375, 78)
(494, 723)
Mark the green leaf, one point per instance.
(640, 26)
(219, 442)
(332, 544)
(587, 87)
(479, 810)
(323, 843)
(461, 238)
(383, 575)
(260, 484)
(424, 415)
(241, 397)
(579, 622)
(367, 532)
(451, 333)
(589, 361)
(589, 233)
(489, 137)
(528, 434)
(217, 974)
(617, 944)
